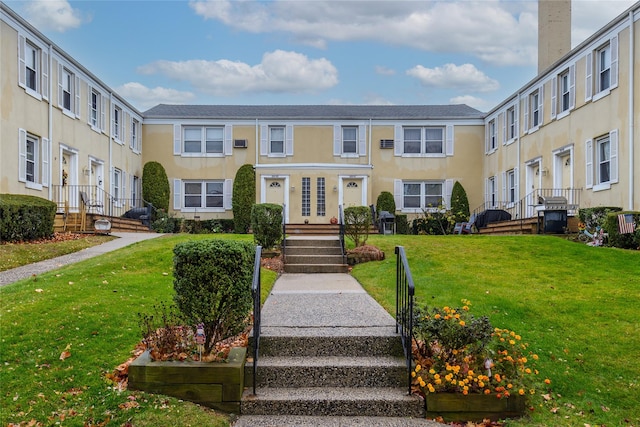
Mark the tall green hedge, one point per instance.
(385, 202)
(244, 197)
(459, 203)
(266, 222)
(155, 186)
(212, 281)
(25, 217)
(624, 241)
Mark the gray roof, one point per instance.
(313, 112)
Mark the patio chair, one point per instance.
(96, 205)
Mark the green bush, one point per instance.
(166, 223)
(212, 281)
(385, 202)
(244, 197)
(402, 224)
(623, 241)
(595, 217)
(357, 221)
(266, 222)
(207, 226)
(155, 186)
(25, 218)
(434, 222)
(459, 203)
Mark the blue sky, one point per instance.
(307, 51)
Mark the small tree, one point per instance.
(385, 202)
(155, 185)
(459, 203)
(244, 197)
(212, 281)
(357, 220)
(266, 222)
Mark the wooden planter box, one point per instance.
(456, 407)
(216, 385)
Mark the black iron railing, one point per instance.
(405, 291)
(93, 199)
(341, 224)
(255, 293)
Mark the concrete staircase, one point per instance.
(329, 356)
(314, 254)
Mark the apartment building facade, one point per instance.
(573, 130)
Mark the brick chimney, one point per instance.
(554, 31)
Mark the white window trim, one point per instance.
(265, 140)
(101, 109)
(178, 194)
(118, 136)
(398, 190)
(42, 166)
(591, 163)
(591, 72)
(178, 140)
(338, 141)
(509, 141)
(448, 141)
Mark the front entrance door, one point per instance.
(352, 192)
(534, 175)
(275, 189)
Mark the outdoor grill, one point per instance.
(554, 214)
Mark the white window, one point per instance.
(511, 186)
(422, 195)
(563, 100)
(68, 91)
(349, 140)
(602, 161)
(205, 194)
(423, 140)
(276, 140)
(306, 196)
(320, 197)
(536, 112)
(33, 68)
(135, 135)
(491, 194)
(116, 185)
(603, 66)
(203, 140)
(135, 192)
(492, 135)
(118, 121)
(33, 160)
(95, 110)
(512, 122)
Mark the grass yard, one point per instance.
(89, 309)
(14, 255)
(577, 306)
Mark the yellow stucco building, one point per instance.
(571, 131)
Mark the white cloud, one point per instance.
(450, 76)
(494, 31)
(54, 15)
(144, 98)
(384, 71)
(279, 72)
(589, 16)
(471, 101)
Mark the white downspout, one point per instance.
(50, 127)
(370, 139)
(257, 142)
(111, 141)
(631, 111)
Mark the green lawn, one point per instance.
(91, 309)
(576, 305)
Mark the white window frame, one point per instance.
(96, 109)
(348, 140)
(272, 140)
(601, 63)
(116, 185)
(136, 191)
(400, 195)
(493, 135)
(266, 140)
(424, 141)
(511, 122)
(39, 68)
(536, 110)
(179, 195)
(511, 187)
(68, 82)
(321, 199)
(38, 157)
(305, 201)
(180, 140)
(117, 122)
(594, 161)
(603, 68)
(491, 193)
(135, 141)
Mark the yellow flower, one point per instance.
(422, 384)
(418, 367)
(535, 357)
(521, 392)
(413, 374)
(431, 389)
(512, 342)
(432, 371)
(462, 323)
(487, 391)
(437, 316)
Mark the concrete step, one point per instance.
(313, 241)
(341, 401)
(291, 372)
(302, 421)
(314, 250)
(319, 258)
(329, 341)
(316, 268)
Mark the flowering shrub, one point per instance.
(457, 352)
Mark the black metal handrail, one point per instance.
(93, 199)
(255, 293)
(405, 291)
(341, 224)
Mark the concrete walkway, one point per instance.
(123, 240)
(331, 306)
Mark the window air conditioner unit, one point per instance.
(239, 143)
(386, 143)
